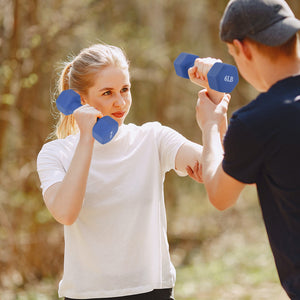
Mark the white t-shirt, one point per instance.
(118, 244)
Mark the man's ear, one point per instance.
(243, 47)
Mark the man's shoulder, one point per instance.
(273, 100)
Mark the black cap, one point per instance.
(269, 22)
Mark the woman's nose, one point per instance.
(119, 101)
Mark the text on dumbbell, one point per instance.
(228, 78)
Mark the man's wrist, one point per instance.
(210, 127)
(215, 96)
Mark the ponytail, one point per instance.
(66, 124)
(64, 77)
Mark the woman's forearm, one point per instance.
(65, 199)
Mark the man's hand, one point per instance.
(209, 113)
(198, 75)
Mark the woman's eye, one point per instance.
(124, 90)
(107, 93)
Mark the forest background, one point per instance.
(218, 255)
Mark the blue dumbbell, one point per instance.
(221, 77)
(104, 129)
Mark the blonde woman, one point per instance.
(110, 197)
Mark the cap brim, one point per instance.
(278, 33)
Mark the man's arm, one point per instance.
(198, 75)
(223, 190)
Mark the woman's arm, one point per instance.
(64, 199)
(188, 160)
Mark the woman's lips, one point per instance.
(118, 114)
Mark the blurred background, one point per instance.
(218, 255)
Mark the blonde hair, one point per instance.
(79, 75)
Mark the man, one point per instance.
(262, 143)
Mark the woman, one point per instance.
(110, 197)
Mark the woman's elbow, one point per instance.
(65, 219)
(62, 214)
(66, 222)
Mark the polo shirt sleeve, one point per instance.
(49, 165)
(244, 153)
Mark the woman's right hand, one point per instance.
(86, 117)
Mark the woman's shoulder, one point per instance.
(153, 128)
(148, 129)
(148, 126)
(58, 145)
(152, 131)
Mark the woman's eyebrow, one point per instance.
(110, 88)
(105, 89)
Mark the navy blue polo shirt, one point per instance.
(262, 146)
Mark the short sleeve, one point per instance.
(169, 142)
(49, 165)
(243, 153)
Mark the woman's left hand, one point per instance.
(195, 172)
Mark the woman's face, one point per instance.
(110, 93)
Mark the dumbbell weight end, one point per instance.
(104, 129)
(183, 62)
(223, 77)
(68, 101)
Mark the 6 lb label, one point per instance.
(228, 78)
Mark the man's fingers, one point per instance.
(204, 65)
(192, 72)
(224, 103)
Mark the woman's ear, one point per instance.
(82, 98)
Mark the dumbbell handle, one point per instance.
(104, 129)
(221, 77)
